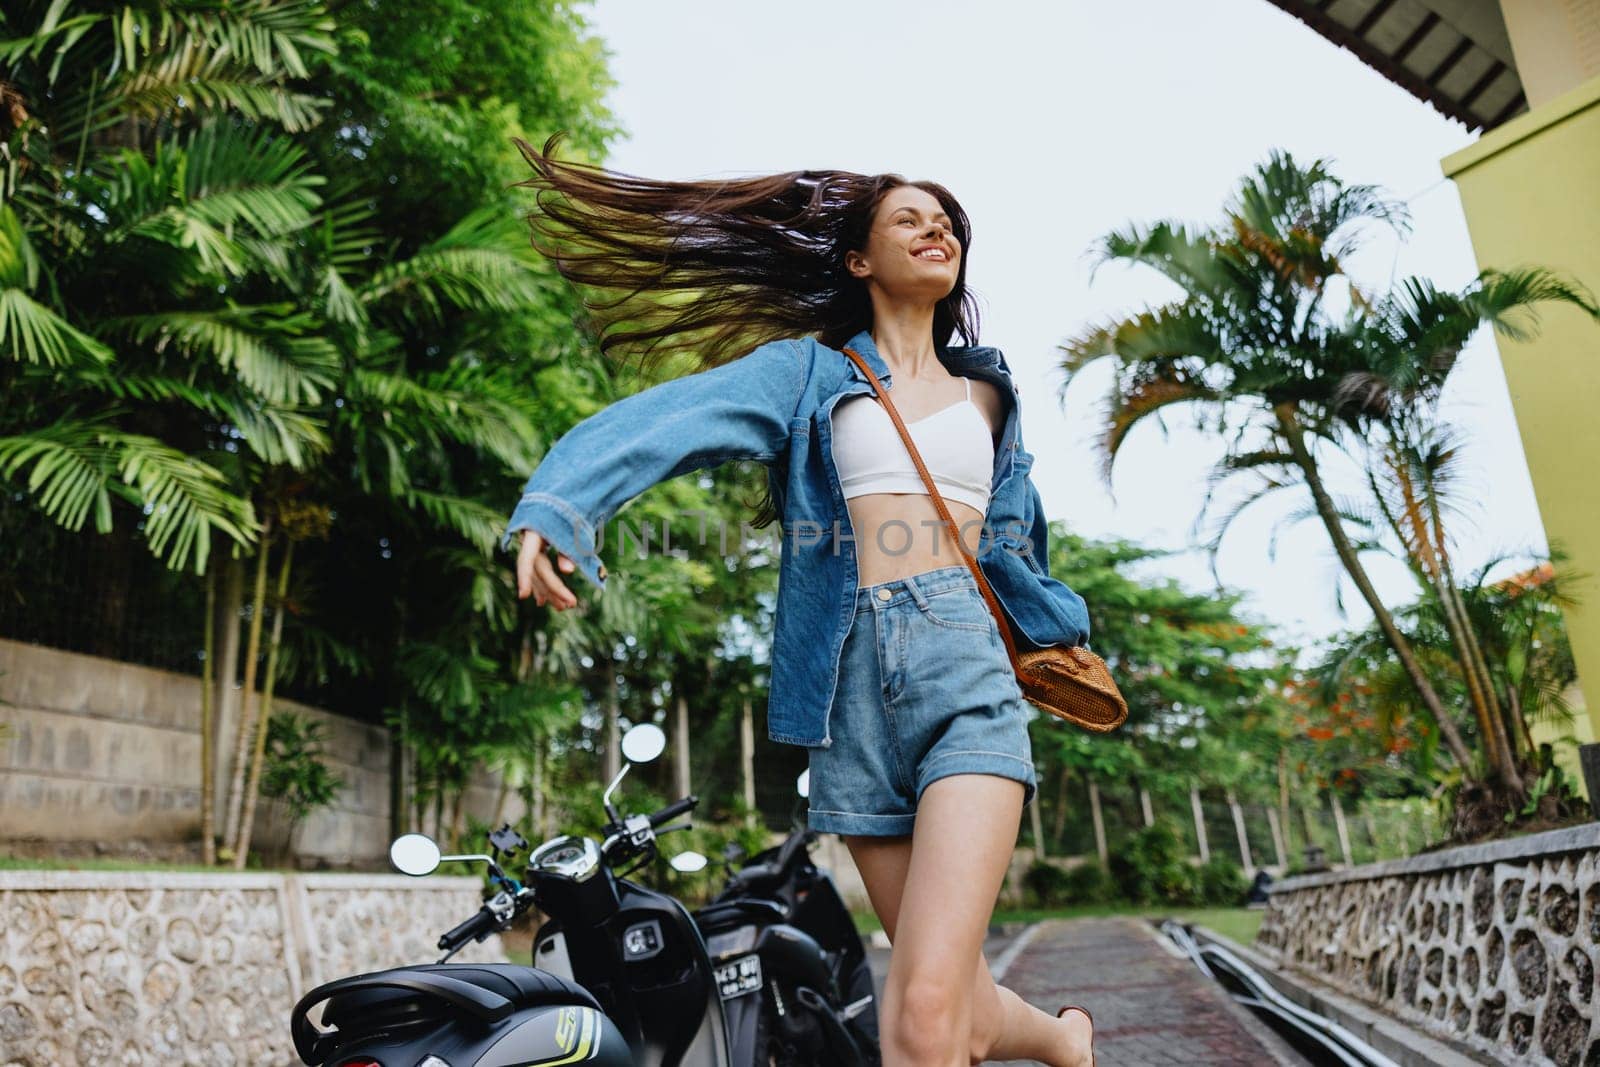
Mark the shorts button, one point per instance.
(884, 594)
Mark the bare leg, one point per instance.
(1001, 1025)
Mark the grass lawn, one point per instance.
(1239, 924)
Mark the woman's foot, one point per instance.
(1079, 1040)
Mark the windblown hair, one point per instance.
(714, 268)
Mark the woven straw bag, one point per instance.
(1068, 681)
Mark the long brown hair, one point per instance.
(714, 268)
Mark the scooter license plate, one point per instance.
(738, 977)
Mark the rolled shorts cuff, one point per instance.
(971, 761)
(858, 824)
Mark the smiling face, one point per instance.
(911, 252)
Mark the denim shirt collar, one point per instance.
(960, 359)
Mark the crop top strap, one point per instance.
(969, 386)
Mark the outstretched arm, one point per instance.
(739, 410)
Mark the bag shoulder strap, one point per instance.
(938, 502)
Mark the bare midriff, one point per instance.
(901, 534)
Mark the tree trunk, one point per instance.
(241, 750)
(1474, 649)
(458, 816)
(258, 758)
(1063, 779)
(747, 761)
(500, 799)
(536, 804)
(1284, 826)
(1099, 823)
(228, 692)
(1343, 829)
(1199, 824)
(613, 753)
(1036, 822)
(681, 743)
(1146, 811)
(1294, 435)
(208, 796)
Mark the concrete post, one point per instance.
(1277, 838)
(1238, 828)
(1199, 824)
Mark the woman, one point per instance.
(887, 663)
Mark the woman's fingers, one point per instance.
(531, 548)
(553, 588)
(537, 578)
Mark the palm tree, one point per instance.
(189, 317)
(1252, 345)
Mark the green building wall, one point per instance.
(1531, 192)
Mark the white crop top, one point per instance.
(954, 442)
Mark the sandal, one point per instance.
(1078, 1007)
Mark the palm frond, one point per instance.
(269, 348)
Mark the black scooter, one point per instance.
(624, 975)
(819, 1005)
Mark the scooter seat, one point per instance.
(524, 987)
(405, 998)
(740, 910)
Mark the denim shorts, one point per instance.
(925, 691)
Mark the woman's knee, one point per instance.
(931, 1016)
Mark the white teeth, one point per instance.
(931, 253)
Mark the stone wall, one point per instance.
(1492, 945)
(138, 969)
(102, 752)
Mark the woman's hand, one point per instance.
(535, 575)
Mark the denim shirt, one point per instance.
(775, 404)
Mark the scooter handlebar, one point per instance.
(480, 925)
(673, 810)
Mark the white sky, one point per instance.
(1054, 123)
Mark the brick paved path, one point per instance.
(1150, 1007)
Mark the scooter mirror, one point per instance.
(643, 743)
(688, 862)
(414, 854)
(802, 784)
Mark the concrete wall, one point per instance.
(99, 968)
(1494, 945)
(102, 752)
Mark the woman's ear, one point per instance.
(856, 264)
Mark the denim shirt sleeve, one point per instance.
(738, 410)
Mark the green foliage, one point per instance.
(1051, 885)
(1220, 881)
(1044, 884)
(1150, 868)
(1089, 883)
(296, 772)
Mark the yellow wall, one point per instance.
(1531, 191)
